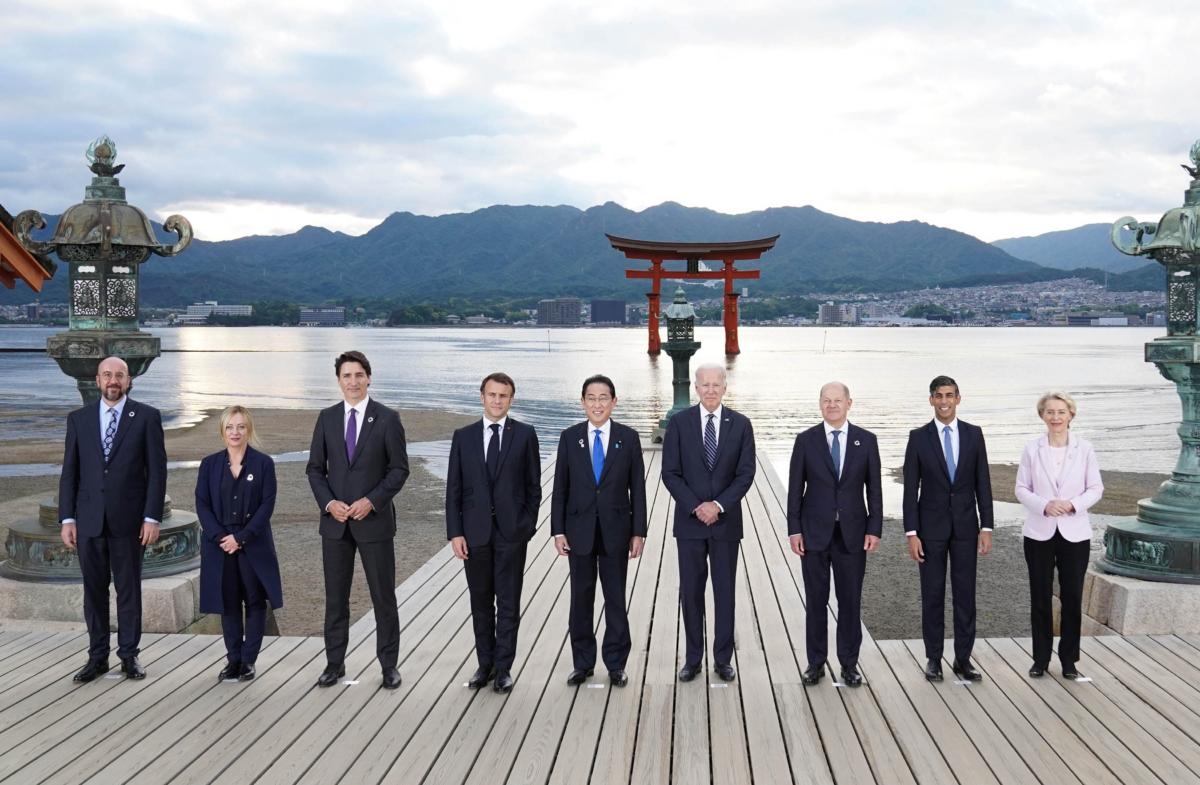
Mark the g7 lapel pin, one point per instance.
(857, 443)
(249, 478)
(370, 419)
(581, 444)
(132, 413)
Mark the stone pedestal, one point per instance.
(1129, 606)
(169, 604)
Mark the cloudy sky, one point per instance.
(995, 118)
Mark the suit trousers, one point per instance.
(849, 566)
(241, 588)
(495, 574)
(612, 571)
(1071, 558)
(962, 554)
(121, 558)
(695, 559)
(379, 566)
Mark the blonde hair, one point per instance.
(227, 415)
(1055, 396)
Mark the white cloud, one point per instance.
(989, 117)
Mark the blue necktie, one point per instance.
(710, 442)
(109, 433)
(597, 456)
(948, 447)
(835, 450)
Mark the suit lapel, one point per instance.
(214, 490)
(364, 432)
(725, 431)
(1068, 460)
(610, 455)
(822, 447)
(935, 442)
(90, 432)
(506, 443)
(124, 425)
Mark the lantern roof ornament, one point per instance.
(680, 308)
(1176, 233)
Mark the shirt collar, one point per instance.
(605, 429)
(119, 406)
(360, 407)
(941, 426)
(489, 422)
(704, 413)
(829, 429)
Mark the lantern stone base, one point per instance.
(169, 604)
(1129, 606)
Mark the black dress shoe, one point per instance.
(1069, 672)
(231, 672)
(391, 678)
(248, 673)
(933, 670)
(132, 668)
(578, 676)
(504, 682)
(481, 677)
(851, 677)
(813, 675)
(618, 678)
(726, 672)
(688, 672)
(94, 669)
(1037, 671)
(965, 671)
(330, 675)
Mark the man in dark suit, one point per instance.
(835, 518)
(947, 514)
(110, 501)
(598, 518)
(356, 465)
(708, 466)
(493, 490)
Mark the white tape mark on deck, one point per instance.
(838, 684)
(349, 682)
(962, 682)
(596, 686)
(1083, 679)
(114, 675)
(718, 686)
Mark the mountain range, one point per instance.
(544, 251)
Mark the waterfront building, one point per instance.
(837, 313)
(323, 317)
(560, 311)
(608, 312)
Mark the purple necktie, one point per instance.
(351, 435)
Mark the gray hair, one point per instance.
(845, 389)
(1055, 396)
(716, 367)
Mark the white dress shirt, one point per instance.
(605, 430)
(487, 432)
(361, 408)
(829, 429)
(716, 421)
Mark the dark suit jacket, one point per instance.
(618, 503)
(473, 500)
(126, 490)
(690, 481)
(932, 507)
(253, 510)
(378, 472)
(817, 497)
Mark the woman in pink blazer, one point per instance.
(1058, 480)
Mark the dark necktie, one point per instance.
(351, 435)
(710, 442)
(835, 451)
(493, 450)
(109, 433)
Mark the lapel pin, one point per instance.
(132, 413)
(581, 444)
(249, 478)
(370, 419)
(617, 446)
(857, 443)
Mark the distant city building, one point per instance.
(1097, 320)
(560, 310)
(608, 312)
(198, 313)
(33, 311)
(837, 313)
(323, 317)
(453, 318)
(480, 319)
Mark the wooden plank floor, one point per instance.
(1137, 720)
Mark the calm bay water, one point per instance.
(1127, 410)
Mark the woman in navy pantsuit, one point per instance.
(239, 572)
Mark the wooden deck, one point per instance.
(1136, 721)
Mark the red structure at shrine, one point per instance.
(727, 253)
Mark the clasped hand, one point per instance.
(343, 512)
(1057, 507)
(708, 513)
(229, 544)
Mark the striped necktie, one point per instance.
(710, 442)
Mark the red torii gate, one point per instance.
(728, 253)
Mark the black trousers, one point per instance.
(963, 553)
(379, 566)
(242, 590)
(495, 574)
(119, 559)
(849, 566)
(612, 571)
(1071, 559)
(696, 557)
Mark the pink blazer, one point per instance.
(1079, 484)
